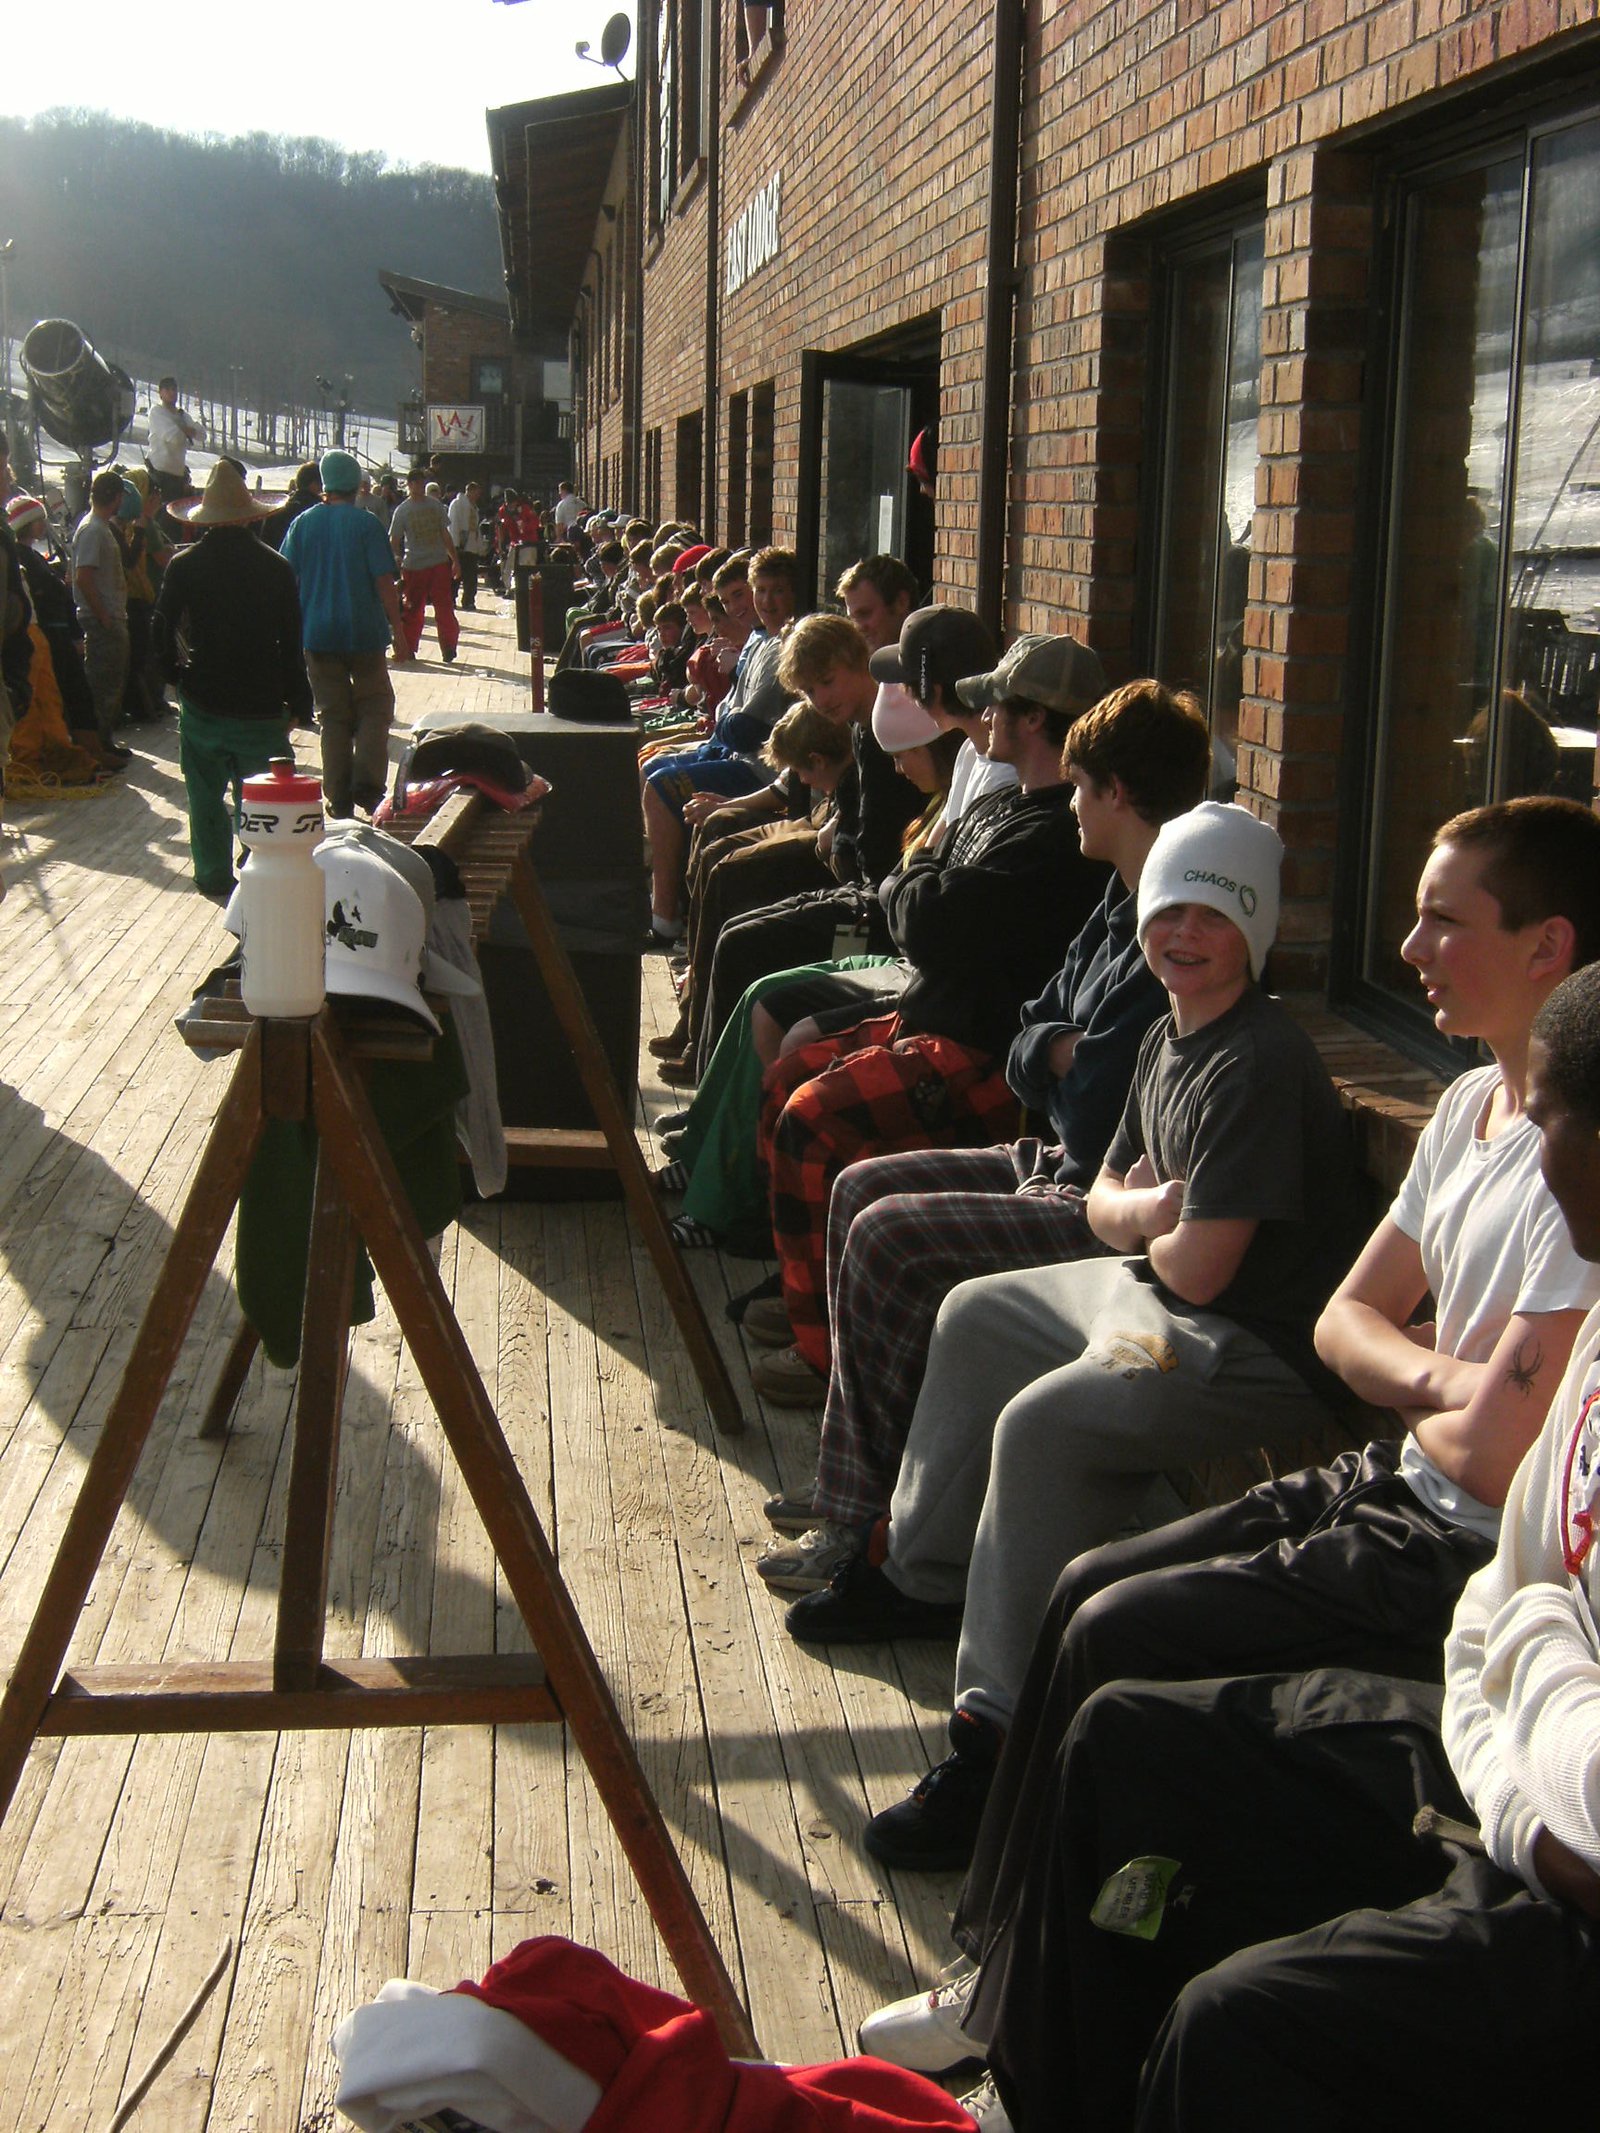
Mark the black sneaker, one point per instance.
(862, 1607)
(937, 1827)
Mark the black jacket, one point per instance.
(227, 629)
(987, 918)
(875, 808)
(1109, 994)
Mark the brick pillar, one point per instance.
(1313, 347)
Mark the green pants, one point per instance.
(215, 754)
(727, 1191)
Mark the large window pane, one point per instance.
(1490, 667)
(1543, 739)
(1208, 487)
(1445, 533)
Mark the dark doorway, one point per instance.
(860, 409)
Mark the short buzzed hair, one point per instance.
(1568, 1026)
(1540, 859)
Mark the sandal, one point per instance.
(692, 1236)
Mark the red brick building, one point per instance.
(469, 360)
(1263, 342)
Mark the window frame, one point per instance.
(1168, 251)
(1494, 133)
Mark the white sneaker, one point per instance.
(807, 1563)
(924, 2033)
(985, 2106)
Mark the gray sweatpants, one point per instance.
(1053, 1398)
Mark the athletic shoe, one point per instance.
(737, 1306)
(808, 1563)
(767, 1320)
(936, 1829)
(924, 2033)
(672, 1178)
(692, 1236)
(861, 1606)
(983, 2104)
(793, 1511)
(784, 1377)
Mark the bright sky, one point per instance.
(410, 77)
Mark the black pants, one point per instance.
(1332, 1566)
(469, 576)
(1314, 1964)
(780, 936)
(746, 883)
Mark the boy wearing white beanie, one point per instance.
(1054, 1397)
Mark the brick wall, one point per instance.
(1138, 120)
(450, 341)
(1137, 115)
(867, 116)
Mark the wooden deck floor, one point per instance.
(333, 1861)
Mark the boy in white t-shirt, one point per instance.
(1324, 1889)
(1359, 1564)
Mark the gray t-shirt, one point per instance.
(1243, 1111)
(417, 533)
(94, 547)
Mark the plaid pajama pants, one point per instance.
(902, 1231)
(864, 1092)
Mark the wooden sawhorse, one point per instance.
(492, 855)
(297, 1069)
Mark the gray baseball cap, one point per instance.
(1057, 672)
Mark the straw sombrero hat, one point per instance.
(225, 501)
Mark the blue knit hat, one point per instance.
(341, 473)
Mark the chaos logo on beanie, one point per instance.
(1222, 855)
(1241, 889)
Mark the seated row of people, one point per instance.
(1013, 1469)
(1169, 1278)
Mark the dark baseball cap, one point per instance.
(938, 646)
(1057, 672)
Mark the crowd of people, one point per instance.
(1294, 1797)
(251, 614)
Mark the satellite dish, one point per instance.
(614, 41)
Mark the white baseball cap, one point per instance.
(375, 934)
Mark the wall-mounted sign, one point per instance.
(754, 236)
(454, 429)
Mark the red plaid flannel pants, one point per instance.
(867, 1091)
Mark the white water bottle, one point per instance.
(280, 893)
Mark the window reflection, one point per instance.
(1208, 486)
(1490, 658)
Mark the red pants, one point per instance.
(419, 589)
(866, 1092)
